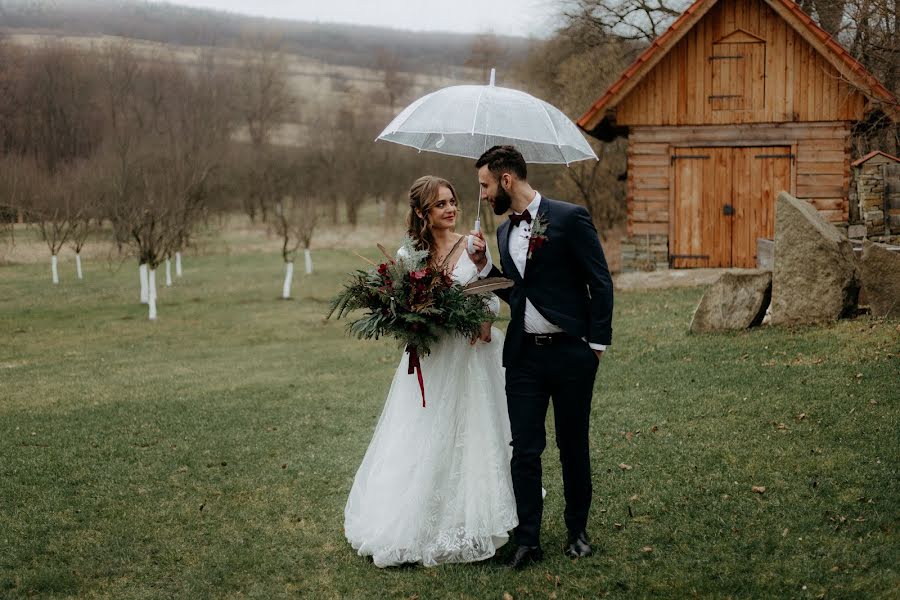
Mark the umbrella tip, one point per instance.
(493, 75)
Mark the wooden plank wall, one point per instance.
(799, 83)
(820, 171)
(647, 187)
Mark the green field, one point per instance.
(209, 454)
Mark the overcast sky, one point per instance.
(509, 17)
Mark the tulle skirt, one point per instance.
(434, 486)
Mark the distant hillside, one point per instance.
(347, 45)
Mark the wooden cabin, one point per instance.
(737, 100)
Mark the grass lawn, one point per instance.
(209, 454)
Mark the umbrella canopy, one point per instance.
(466, 120)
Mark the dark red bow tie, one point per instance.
(516, 219)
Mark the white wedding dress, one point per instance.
(434, 486)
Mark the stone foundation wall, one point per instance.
(876, 197)
(892, 198)
(645, 253)
(870, 195)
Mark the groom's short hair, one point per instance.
(504, 159)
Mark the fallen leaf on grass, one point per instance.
(624, 467)
(758, 489)
(654, 429)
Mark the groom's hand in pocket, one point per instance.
(485, 335)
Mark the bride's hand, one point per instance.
(485, 335)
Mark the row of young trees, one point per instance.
(138, 145)
(144, 147)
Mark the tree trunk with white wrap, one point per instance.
(151, 296)
(145, 284)
(288, 279)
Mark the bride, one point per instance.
(434, 486)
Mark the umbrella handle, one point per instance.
(470, 241)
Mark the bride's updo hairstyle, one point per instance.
(422, 197)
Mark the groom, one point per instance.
(561, 313)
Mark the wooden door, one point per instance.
(724, 199)
(759, 174)
(700, 237)
(738, 76)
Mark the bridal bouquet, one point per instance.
(414, 302)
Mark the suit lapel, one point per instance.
(509, 267)
(542, 213)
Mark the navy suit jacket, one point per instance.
(566, 279)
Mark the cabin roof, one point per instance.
(872, 155)
(787, 9)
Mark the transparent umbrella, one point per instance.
(466, 120)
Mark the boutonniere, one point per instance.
(538, 234)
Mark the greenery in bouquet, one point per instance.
(411, 300)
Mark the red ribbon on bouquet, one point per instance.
(415, 365)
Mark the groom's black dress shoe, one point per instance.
(524, 556)
(579, 545)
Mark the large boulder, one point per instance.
(737, 300)
(816, 275)
(880, 270)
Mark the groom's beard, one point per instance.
(502, 201)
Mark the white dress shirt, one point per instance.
(518, 252)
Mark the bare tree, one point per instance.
(296, 216)
(205, 120)
(50, 125)
(56, 207)
(394, 82)
(872, 35)
(263, 100)
(570, 70)
(167, 135)
(642, 20)
(59, 105)
(16, 187)
(127, 130)
(89, 190)
(486, 53)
